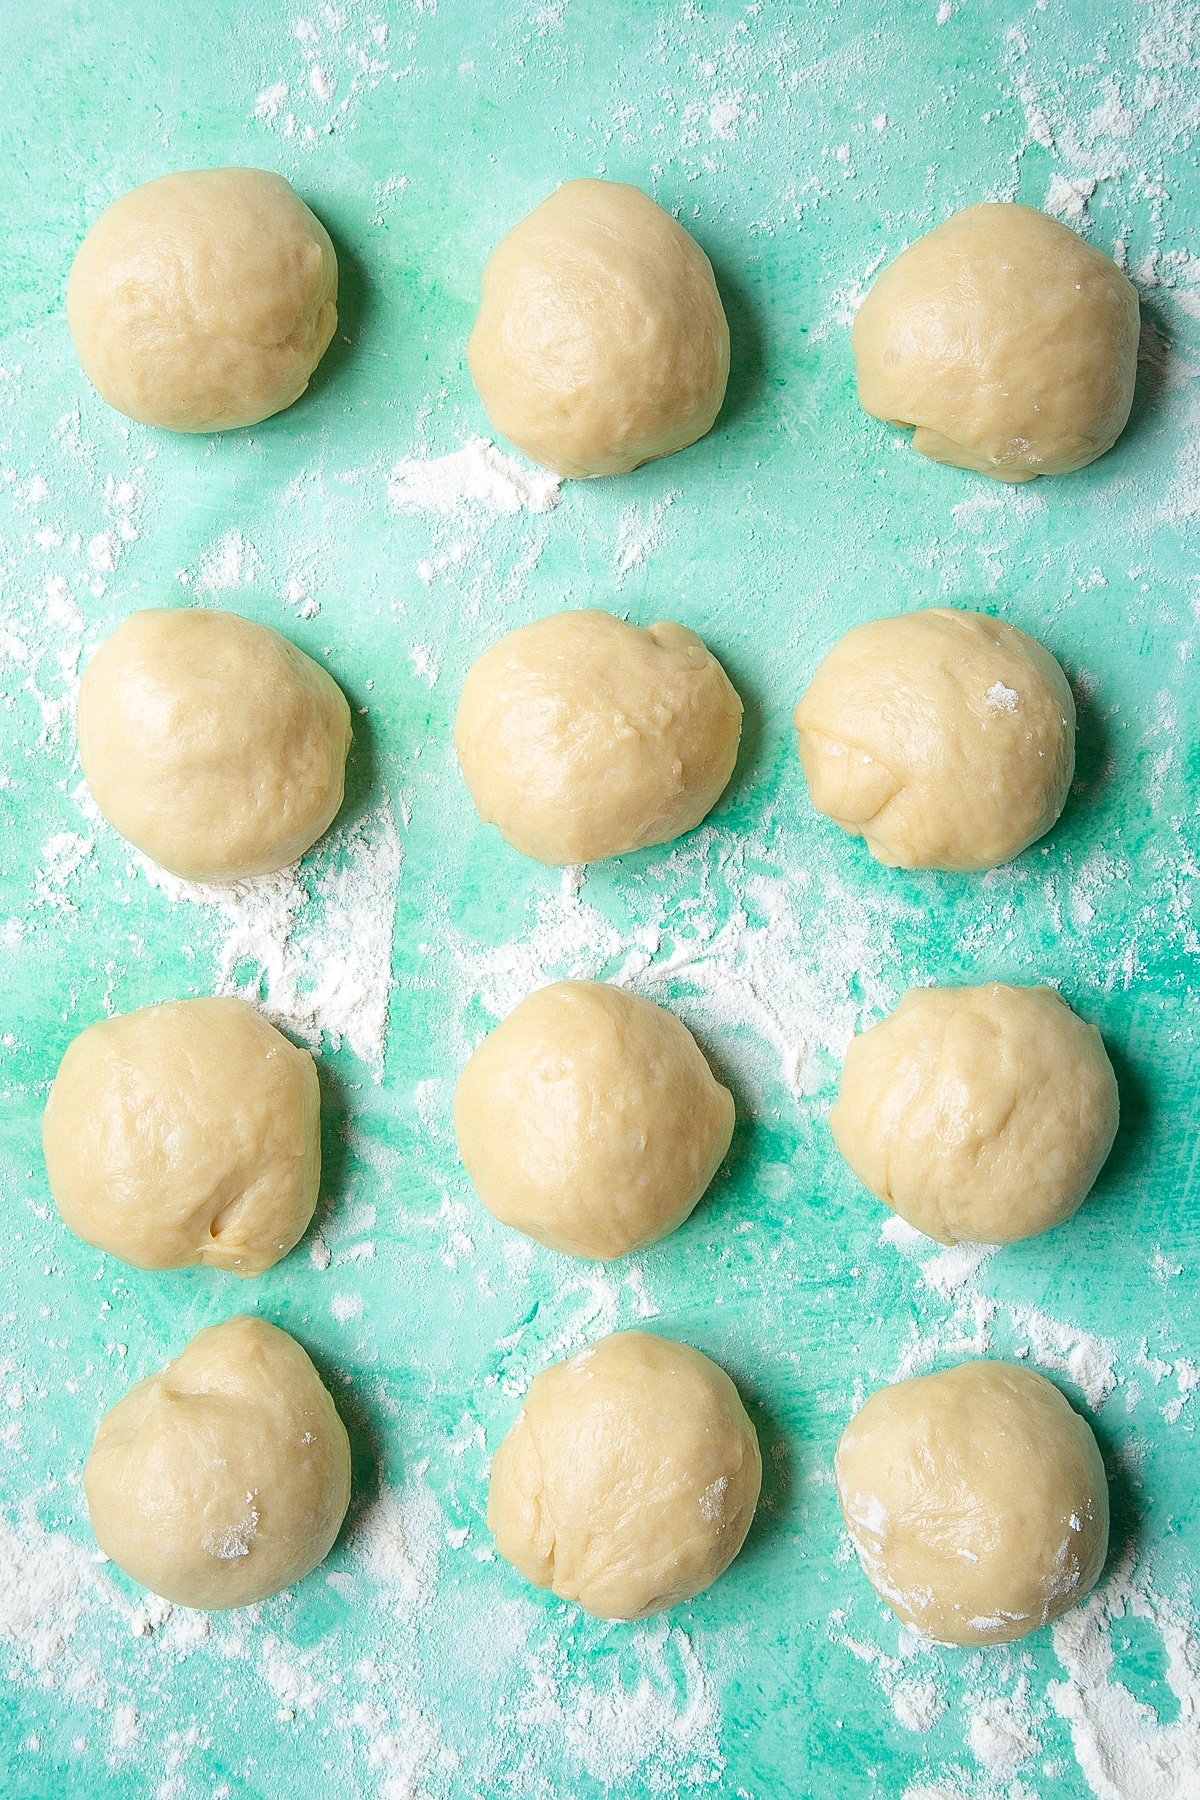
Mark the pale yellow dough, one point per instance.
(225, 1477)
(979, 1113)
(212, 743)
(629, 1481)
(205, 300)
(1006, 340)
(601, 341)
(977, 1501)
(945, 739)
(186, 1133)
(590, 1120)
(583, 737)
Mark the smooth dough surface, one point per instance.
(205, 300)
(590, 1120)
(212, 743)
(978, 1113)
(977, 1501)
(630, 1479)
(945, 739)
(225, 1477)
(186, 1133)
(601, 341)
(1006, 340)
(583, 737)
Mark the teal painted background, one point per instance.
(801, 145)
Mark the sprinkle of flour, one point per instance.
(753, 956)
(478, 475)
(317, 936)
(999, 1732)
(1123, 1750)
(664, 1727)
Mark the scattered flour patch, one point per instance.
(660, 1730)
(1087, 1360)
(1067, 197)
(425, 664)
(725, 115)
(48, 1584)
(478, 475)
(1123, 1749)
(289, 1676)
(640, 535)
(999, 1731)
(312, 945)
(270, 102)
(230, 563)
(955, 1267)
(398, 1542)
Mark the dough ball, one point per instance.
(601, 341)
(226, 1476)
(945, 739)
(630, 1479)
(1006, 340)
(976, 1500)
(582, 737)
(186, 1133)
(982, 1113)
(205, 300)
(212, 743)
(590, 1120)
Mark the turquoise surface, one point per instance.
(801, 145)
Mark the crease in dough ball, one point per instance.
(590, 1120)
(224, 1478)
(977, 1501)
(601, 342)
(204, 300)
(583, 737)
(1006, 340)
(212, 743)
(978, 1113)
(186, 1133)
(944, 739)
(629, 1481)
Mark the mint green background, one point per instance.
(795, 519)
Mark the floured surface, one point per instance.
(381, 526)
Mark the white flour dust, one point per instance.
(783, 964)
(312, 945)
(978, 1324)
(488, 520)
(663, 1729)
(478, 475)
(1123, 1749)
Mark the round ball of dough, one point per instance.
(976, 1500)
(226, 1476)
(630, 1479)
(582, 737)
(981, 1113)
(1006, 340)
(601, 341)
(945, 739)
(590, 1120)
(186, 1133)
(212, 743)
(205, 300)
